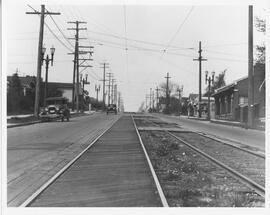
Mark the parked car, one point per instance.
(111, 109)
(55, 109)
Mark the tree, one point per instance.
(260, 49)
(218, 82)
(173, 96)
(14, 94)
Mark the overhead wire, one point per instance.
(178, 30)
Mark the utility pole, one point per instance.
(167, 93)
(76, 72)
(146, 97)
(105, 65)
(109, 87)
(115, 94)
(97, 89)
(250, 69)
(200, 59)
(153, 98)
(42, 14)
(112, 91)
(157, 103)
(150, 99)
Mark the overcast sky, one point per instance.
(138, 62)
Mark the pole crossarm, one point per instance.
(42, 14)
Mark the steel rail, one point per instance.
(226, 142)
(247, 181)
(250, 183)
(159, 188)
(30, 199)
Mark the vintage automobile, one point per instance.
(111, 108)
(56, 109)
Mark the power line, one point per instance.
(65, 37)
(178, 30)
(139, 41)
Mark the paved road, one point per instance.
(248, 137)
(36, 152)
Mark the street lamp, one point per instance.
(209, 80)
(47, 61)
(180, 91)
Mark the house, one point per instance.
(231, 101)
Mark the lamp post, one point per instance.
(209, 80)
(97, 89)
(47, 61)
(180, 91)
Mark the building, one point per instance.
(65, 88)
(231, 101)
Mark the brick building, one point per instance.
(231, 101)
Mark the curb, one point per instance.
(22, 124)
(241, 125)
(35, 122)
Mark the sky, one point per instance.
(141, 43)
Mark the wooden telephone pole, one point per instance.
(250, 69)
(104, 66)
(42, 14)
(77, 64)
(200, 59)
(167, 93)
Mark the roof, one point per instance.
(229, 86)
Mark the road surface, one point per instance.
(36, 152)
(248, 137)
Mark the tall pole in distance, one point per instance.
(167, 93)
(112, 91)
(39, 60)
(104, 66)
(76, 73)
(200, 59)
(150, 99)
(157, 103)
(250, 68)
(109, 88)
(153, 97)
(146, 102)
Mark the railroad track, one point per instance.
(112, 171)
(252, 184)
